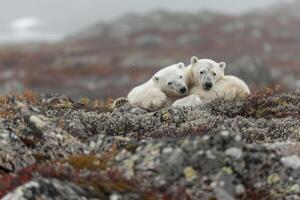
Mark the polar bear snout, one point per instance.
(183, 90)
(207, 85)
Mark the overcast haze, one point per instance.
(53, 19)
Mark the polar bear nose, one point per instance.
(208, 85)
(183, 90)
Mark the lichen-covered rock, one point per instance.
(239, 149)
(48, 141)
(103, 143)
(14, 155)
(159, 124)
(221, 166)
(42, 188)
(238, 115)
(72, 181)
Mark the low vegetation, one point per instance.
(65, 148)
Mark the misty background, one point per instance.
(102, 49)
(45, 20)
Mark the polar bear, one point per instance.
(191, 100)
(165, 87)
(208, 81)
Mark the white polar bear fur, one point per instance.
(191, 100)
(156, 93)
(222, 86)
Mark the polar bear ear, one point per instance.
(155, 79)
(194, 60)
(222, 65)
(181, 65)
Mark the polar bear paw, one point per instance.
(191, 100)
(120, 102)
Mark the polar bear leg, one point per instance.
(151, 100)
(155, 102)
(191, 100)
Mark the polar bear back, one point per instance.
(232, 86)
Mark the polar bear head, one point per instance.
(172, 80)
(206, 72)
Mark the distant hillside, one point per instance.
(159, 20)
(271, 34)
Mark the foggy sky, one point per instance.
(66, 16)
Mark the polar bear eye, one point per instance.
(169, 83)
(180, 77)
(202, 72)
(214, 74)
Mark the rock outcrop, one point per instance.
(52, 147)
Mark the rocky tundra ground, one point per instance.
(53, 147)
